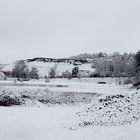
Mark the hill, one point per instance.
(45, 64)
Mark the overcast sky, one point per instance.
(62, 28)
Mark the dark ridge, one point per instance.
(71, 61)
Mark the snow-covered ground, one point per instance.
(75, 85)
(48, 123)
(100, 111)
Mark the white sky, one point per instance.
(62, 28)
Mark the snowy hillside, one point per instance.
(45, 64)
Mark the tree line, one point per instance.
(21, 70)
(126, 65)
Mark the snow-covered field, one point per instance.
(48, 123)
(75, 85)
(81, 110)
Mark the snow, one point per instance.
(37, 121)
(89, 85)
(116, 110)
(34, 123)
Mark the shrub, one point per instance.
(136, 84)
(67, 74)
(75, 71)
(9, 101)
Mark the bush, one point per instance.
(9, 101)
(66, 74)
(75, 71)
(136, 84)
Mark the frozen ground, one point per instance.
(77, 113)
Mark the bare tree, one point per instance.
(52, 72)
(34, 73)
(20, 70)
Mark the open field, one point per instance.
(70, 109)
(22, 123)
(74, 85)
(61, 91)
